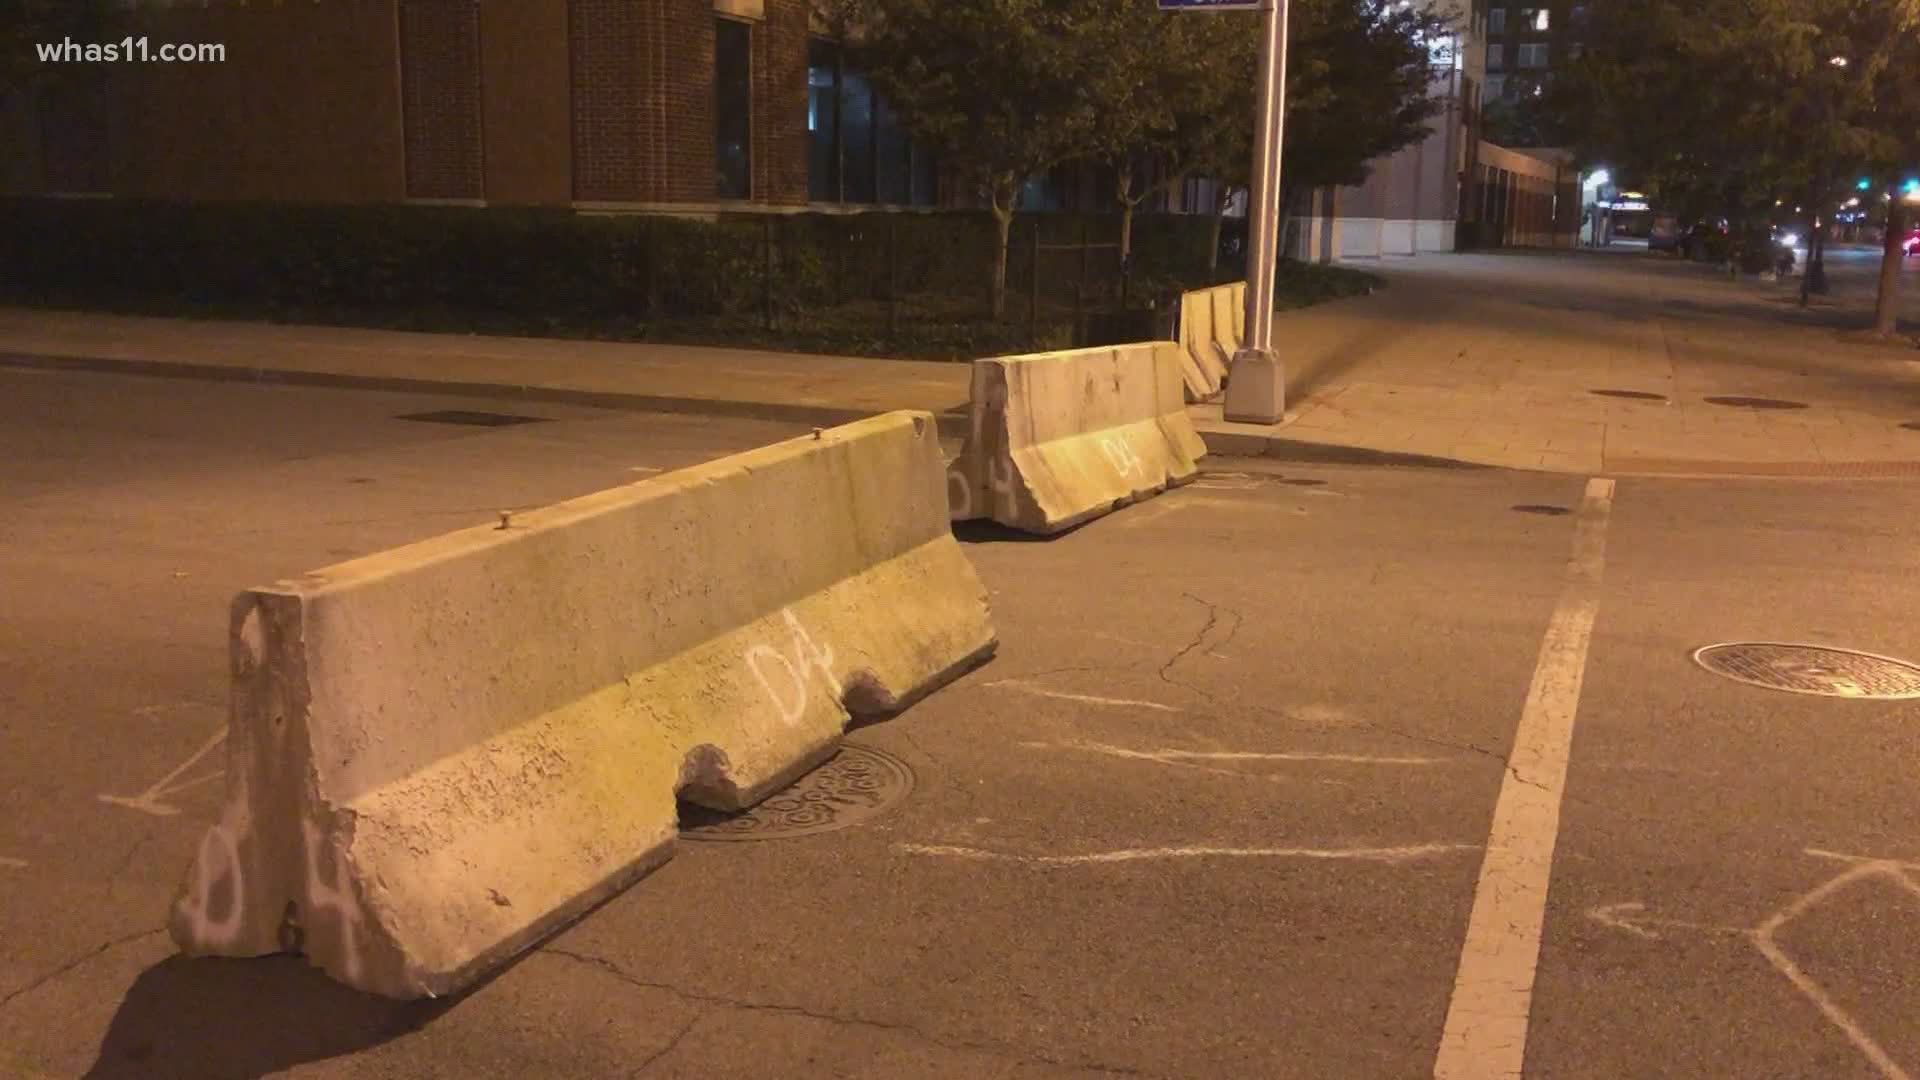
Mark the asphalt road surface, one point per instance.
(1264, 782)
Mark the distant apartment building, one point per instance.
(681, 105)
(1526, 41)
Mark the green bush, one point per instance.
(826, 285)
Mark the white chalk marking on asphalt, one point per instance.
(1632, 918)
(645, 469)
(1839, 856)
(1763, 936)
(1175, 756)
(1375, 854)
(1629, 917)
(1089, 699)
(1486, 1030)
(149, 801)
(12, 864)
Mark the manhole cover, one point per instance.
(1756, 402)
(1812, 669)
(856, 784)
(470, 418)
(1637, 395)
(1542, 508)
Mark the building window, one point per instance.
(823, 121)
(1496, 86)
(733, 109)
(1497, 21)
(1535, 20)
(1496, 59)
(857, 150)
(1533, 56)
(1579, 16)
(1574, 50)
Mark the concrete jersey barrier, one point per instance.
(1056, 439)
(440, 754)
(1212, 325)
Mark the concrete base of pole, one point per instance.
(1256, 388)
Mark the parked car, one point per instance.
(1665, 235)
(1911, 246)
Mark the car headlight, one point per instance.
(1790, 239)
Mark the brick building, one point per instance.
(688, 105)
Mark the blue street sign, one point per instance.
(1213, 5)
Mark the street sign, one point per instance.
(1213, 5)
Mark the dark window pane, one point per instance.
(856, 133)
(896, 159)
(823, 152)
(925, 179)
(732, 108)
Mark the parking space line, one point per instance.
(1486, 1029)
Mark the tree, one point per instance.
(996, 88)
(1166, 86)
(1359, 87)
(1732, 103)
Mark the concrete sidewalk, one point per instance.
(1590, 363)
(665, 378)
(1567, 362)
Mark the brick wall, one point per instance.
(685, 145)
(780, 103)
(305, 108)
(643, 101)
(606, 40)
(440, 97)
(528, 134)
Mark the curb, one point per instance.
(951, 420)
(1237, 444)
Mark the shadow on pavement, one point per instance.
(216, 1019)
(983, 531)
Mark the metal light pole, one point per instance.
(1256, 384)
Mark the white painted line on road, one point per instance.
(12, 864)
(1172, 756)
(1486, 1030)
(1374, 854)
(1088, 699)
(149, 801)
(649, 469)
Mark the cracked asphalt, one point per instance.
(1217, 808)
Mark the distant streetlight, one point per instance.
(1838, 61)
(1600, 178)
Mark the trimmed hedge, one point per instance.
(901, 283)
